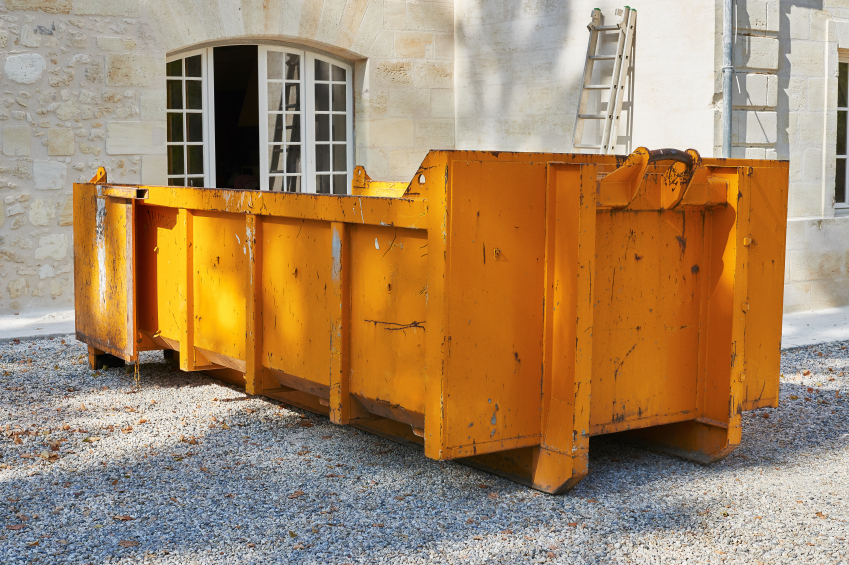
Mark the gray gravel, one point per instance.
(188, 470)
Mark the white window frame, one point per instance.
(262, 78)
(843, 57)
(207, 112)
(310, 118)
(308, 147)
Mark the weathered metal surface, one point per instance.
(104, 268)
(499, 309)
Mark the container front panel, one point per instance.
(160, 262)
(104, 271)
(649, 270)
(296, 290)
(388, 315)
(219, 278)
(494, 306)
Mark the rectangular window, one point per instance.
(186, 120)
(840, 178)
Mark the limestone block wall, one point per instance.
(403, 55)
(519, 67)
(83, 86)
(785, 107)
(80, 87)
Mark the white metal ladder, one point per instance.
(616, 86)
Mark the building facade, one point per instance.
(292, 94)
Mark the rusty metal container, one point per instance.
(499, 309)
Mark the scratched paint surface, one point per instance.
(437, 306)
(649, 269)
(219, 279)
(494, 309)
(103, 257)
(389, 315)
(296, 287)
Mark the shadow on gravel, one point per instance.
(278, 487)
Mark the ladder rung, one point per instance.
(596, 87)
(582, 146)
(602, 57)
(592, 116)
(608, 28)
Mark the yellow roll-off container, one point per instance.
(499, 309)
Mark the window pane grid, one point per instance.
(331, 115)
(185, 140)
(284, 121)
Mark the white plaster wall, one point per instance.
(519, 67)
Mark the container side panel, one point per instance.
(388, 315)
(494, 305)
(646, 322)
(160, 255)
(296, 269)
(219, 265)
(767, 232)
(104, 272)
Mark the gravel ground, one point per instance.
(188, 470)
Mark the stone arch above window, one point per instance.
(347, 30)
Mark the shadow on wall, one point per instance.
(761, 123)
(786, 34)
(801, 73)
(518, 71)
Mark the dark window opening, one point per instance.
(236, 117)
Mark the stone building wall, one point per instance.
(83, 86)
(785, 107)
(519, 69)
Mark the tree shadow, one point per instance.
(345, 495)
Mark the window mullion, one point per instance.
(309, 118)
(262, 73)
(208, 118)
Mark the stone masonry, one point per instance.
(83, 87)
(785, 107)
(69, 73)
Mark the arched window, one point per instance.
(260, 117)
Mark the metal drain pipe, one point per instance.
(727, 74)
